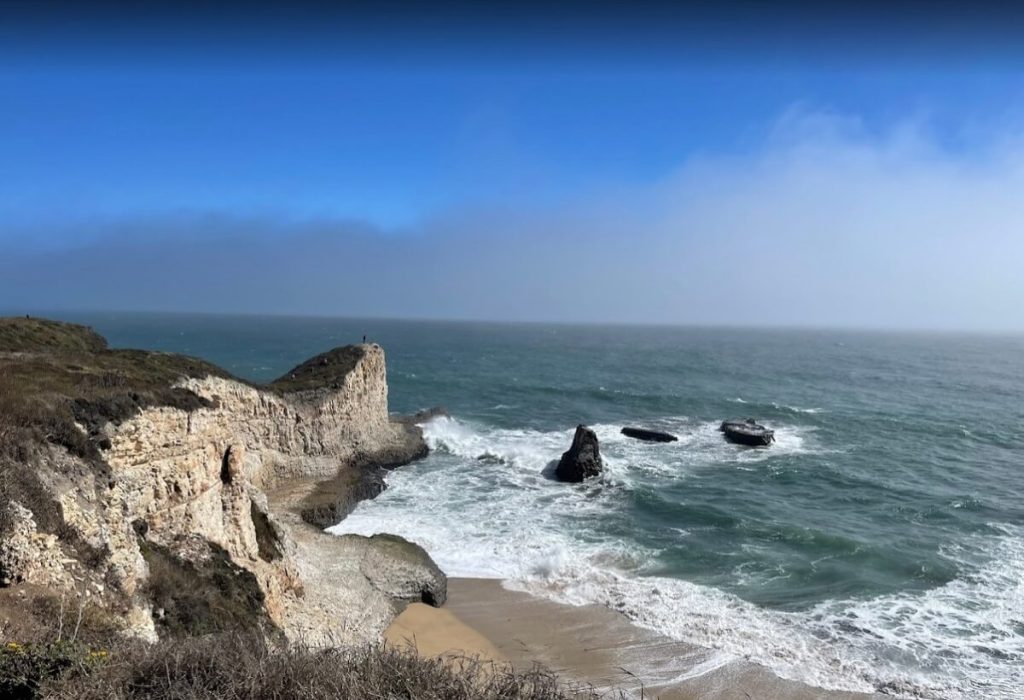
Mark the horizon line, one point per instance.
(50, 314)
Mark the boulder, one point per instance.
(583, 458)
(648, 435)
(747, 432)
(403, 570)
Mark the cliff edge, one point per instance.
(164, 496)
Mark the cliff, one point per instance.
(169, 497)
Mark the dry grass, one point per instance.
(237, 667)
(26, 334)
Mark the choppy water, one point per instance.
(879, 545)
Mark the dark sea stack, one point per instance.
(747, 432)
(583, 458)
(648, 435)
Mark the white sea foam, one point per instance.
(482, 507)
(796, 409)
(961, 640)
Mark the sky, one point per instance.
(725, 165)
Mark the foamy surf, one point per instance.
(950, 642)
(482, 507)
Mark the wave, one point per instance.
(961, 640)
(481, 506)
(627, 461)
(781, 407)
(796, 409)
(966, 637)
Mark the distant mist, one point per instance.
(823, 224)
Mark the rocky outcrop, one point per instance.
(403, 570)
(177, 491)
(323, 503)
(423, 415)
(26, 553)
(747, 432)
(649, 435)
(583, 458)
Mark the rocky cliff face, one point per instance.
(166, 522)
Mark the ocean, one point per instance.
(878, 545)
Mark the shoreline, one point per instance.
(590, 644)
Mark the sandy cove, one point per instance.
(586, 643)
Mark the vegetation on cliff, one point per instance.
(66, 397)
(325, 371)
(61, 385)
(237, 667)
(53, 375)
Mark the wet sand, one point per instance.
(588, 643)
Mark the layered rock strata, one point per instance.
(162, 516)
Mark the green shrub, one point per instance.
(26, 668)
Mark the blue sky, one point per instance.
(393, 145)
(476, 142)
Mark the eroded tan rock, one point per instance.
(27, 554)
(183, 481)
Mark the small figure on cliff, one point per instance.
(364, 340)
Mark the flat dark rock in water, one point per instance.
(583, 458)
(648, 435)
(747, 432)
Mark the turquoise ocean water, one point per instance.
(878, 545)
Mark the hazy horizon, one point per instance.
(83, 315)
(654, 167)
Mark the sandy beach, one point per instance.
(587, 643)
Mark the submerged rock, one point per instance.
(648, 435)
(747, 432)
(583, 458)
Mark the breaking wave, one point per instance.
(482, 507)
